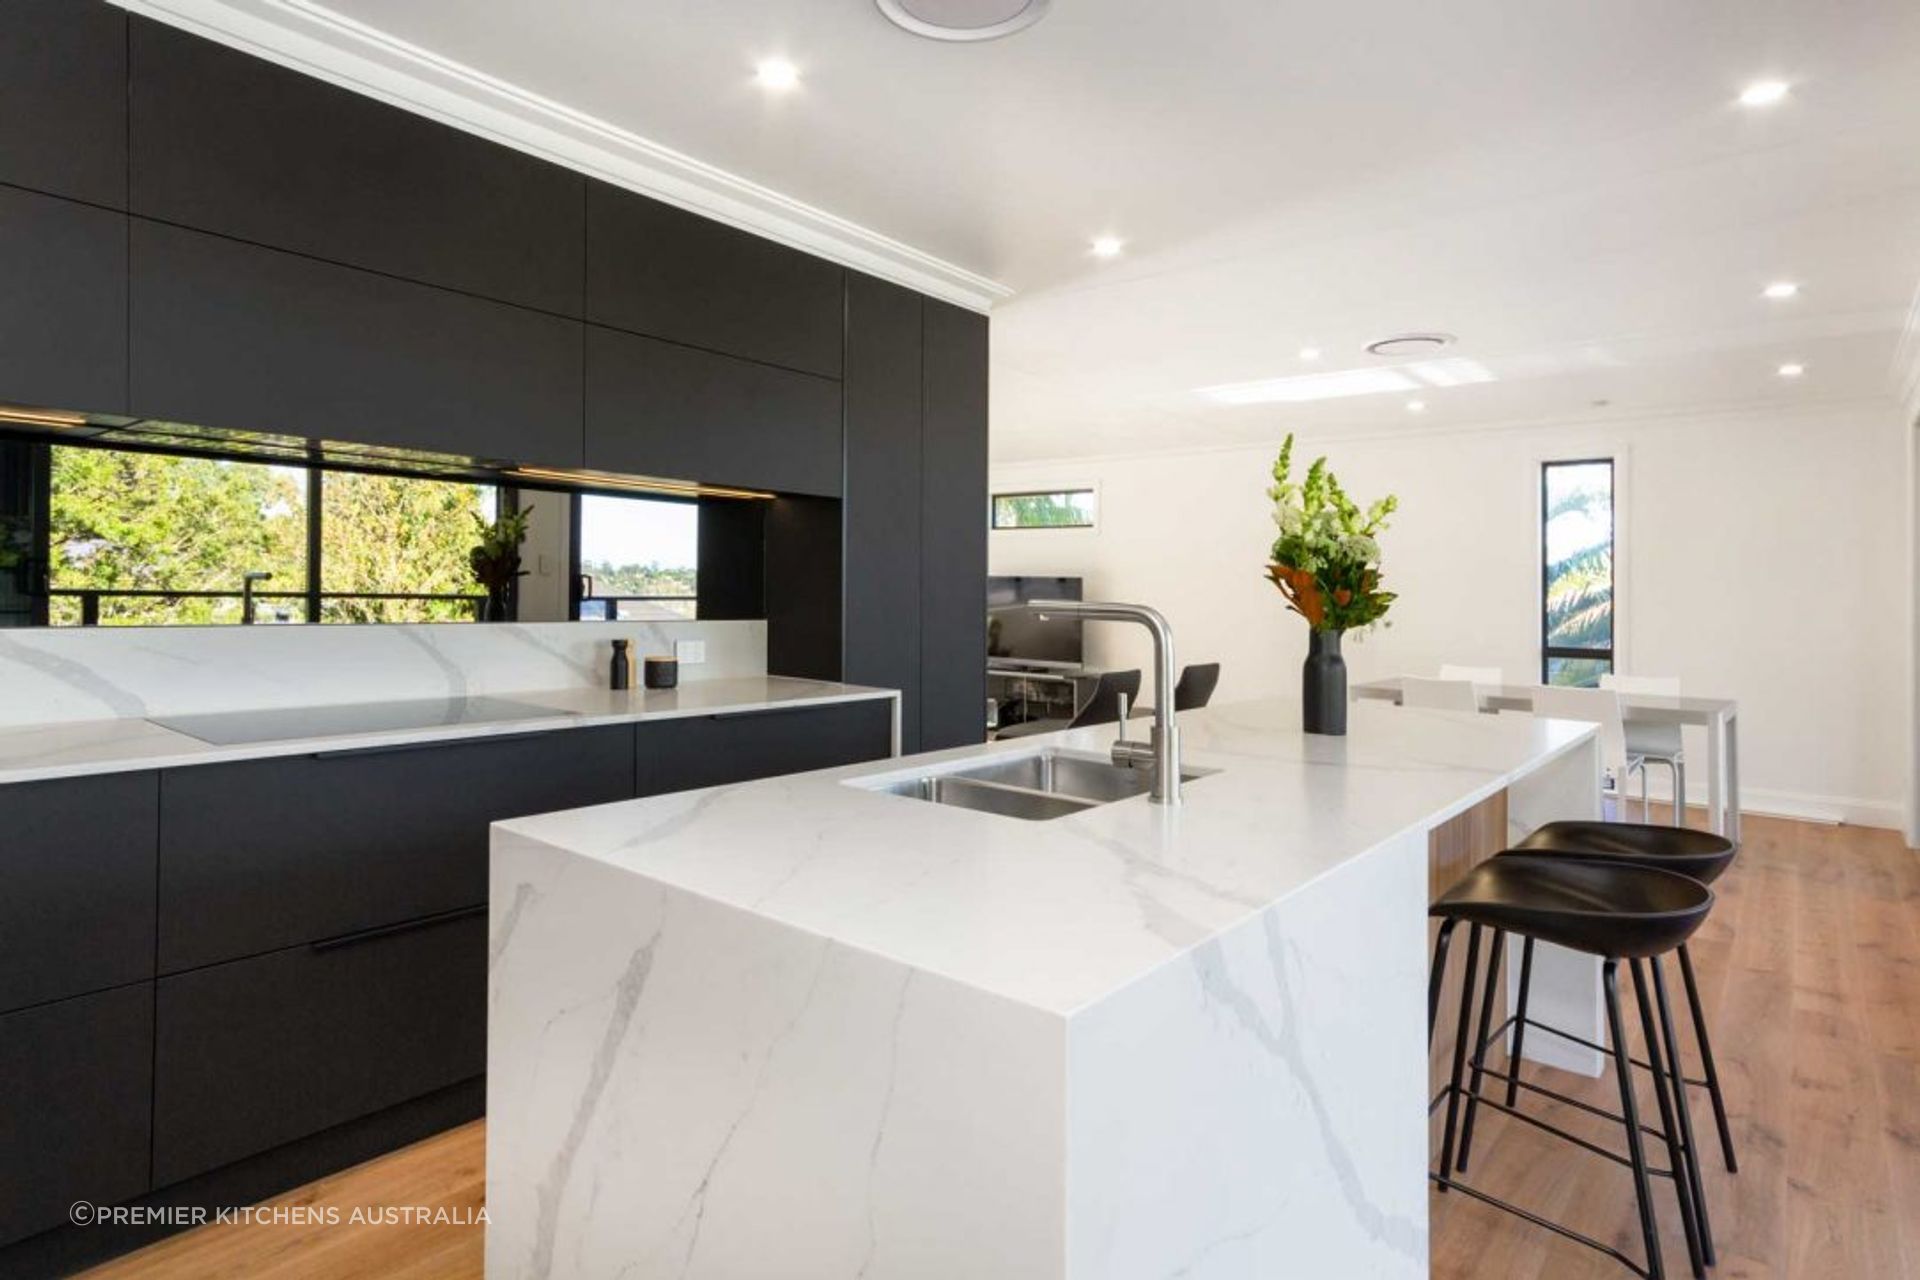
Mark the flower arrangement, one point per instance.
(1326, 560)
(496, 560)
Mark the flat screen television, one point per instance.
(1017, 636)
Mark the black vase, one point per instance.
(1323, 684)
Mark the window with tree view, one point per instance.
(137, 538)
(1060, 509)
(638, 558)
(1576, 506)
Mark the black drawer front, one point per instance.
(76, 901)
(268, 853)
(226, 334)
(63, 98)
(680, 755)
(259, 1052)
(227, 142)
(655, 269)
(75, 1104)
(63, 304)
(654, 408)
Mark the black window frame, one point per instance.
(1549, 652)
(311, 595)
(993, 507)
(577, 593)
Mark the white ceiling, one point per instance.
(1566, 185)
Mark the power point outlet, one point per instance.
(690, 652)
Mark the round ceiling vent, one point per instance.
(964, 19)
(1410, 344)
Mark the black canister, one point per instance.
(620, 675)
(662, 673)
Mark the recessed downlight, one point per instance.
(1106, 246)
(1309, 353)
(963, 20)
(1409, 344)
(776, 75)
(1791, 370)
(1765, 93)
(1416, 406)
(1780, 290)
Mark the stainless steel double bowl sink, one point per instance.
(1046, 784)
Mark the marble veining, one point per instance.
(58, 674)
(76, 748)
(881, 1039)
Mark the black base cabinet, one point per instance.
(711, 751)
(263, 854)
(76, 893)
(259, 1052)
(75, 1098)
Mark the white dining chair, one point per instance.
(1656, 743)
(1440, 695)
(1601, 707)
(1487, 678)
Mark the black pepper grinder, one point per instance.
(622, 671)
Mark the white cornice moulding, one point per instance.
(312, 39)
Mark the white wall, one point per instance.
(1761, 557)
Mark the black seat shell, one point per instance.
(1603, 908)
(1699, 854)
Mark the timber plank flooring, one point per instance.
(1810, 969)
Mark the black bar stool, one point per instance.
(1610, 910)
(1699, 854)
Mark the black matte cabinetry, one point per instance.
(63, 99)
(709, 751)
(63, 303)
(262, 854)
(661, 271)
(882, 514)
(76, 892)
(226, 142)
(227, 334)
(263, 1051)
(953, 528)
(655, 408)
(75, 1106)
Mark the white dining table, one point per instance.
(1718, 716)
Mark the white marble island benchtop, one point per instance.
(803, 1028)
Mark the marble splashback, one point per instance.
(57, 675)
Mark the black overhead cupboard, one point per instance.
(190, 234)
(222, 980)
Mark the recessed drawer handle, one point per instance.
(349, 752)
(389, 930)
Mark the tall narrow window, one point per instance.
(1576, 572)
(638, 558)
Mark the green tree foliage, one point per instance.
(144, 521)
(394, 534)
(1041, 510)
(1580, 583)
(147, 521)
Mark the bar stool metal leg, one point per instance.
(1459, 1053)
(1630, 1112)
(1440, 945)
(1678, 1157)
(1520, 1022)
(1683, 1110)
(1706, 1059)
(1480, 1045)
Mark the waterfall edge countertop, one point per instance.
(1055, 913)
(806, 1027)
(31, 753)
